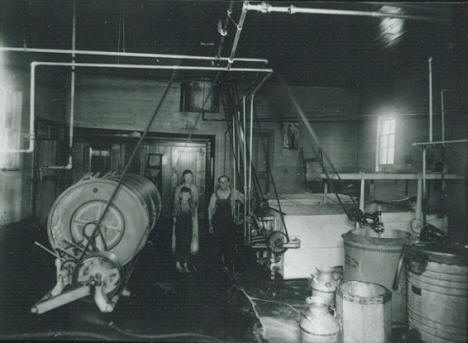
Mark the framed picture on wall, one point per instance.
(290, 133)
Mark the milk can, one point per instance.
(324, 283)
(317, 324)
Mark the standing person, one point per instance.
(184, 215)
(187, 181)
(221, 218)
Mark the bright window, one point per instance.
(385, 142)
(10, 123)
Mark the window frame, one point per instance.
(390, 142)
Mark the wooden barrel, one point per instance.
(374, 257)
(438, 292)
(126, 225)
(364, 311)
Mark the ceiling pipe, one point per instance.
(134, 54)
(452, 141)
(156, 67)
(226, 21)
(35, 64)
(69, 165)
(267, 8)
(239, 27)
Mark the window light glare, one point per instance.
(385, 141)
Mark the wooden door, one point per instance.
(177, 157)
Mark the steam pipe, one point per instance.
(69, 165)
(442, 113)
(238, 33)
(234, 149)
(465, 140)
(424, 171)
(249, 187)
(32, 79)
(430, 98)
(226, 21)
(252, 98)
(244, 143)
(146, 66)
(134, 54)
(424, 167)
(442, 106)
(267, 8)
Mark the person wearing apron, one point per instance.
(221, 219)
(184, 214)
(188, 182)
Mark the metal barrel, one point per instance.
(438, 292)
(373, 257)
(126, 225)
(364, 312)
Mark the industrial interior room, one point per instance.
(233, 171)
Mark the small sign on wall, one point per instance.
(290, 132)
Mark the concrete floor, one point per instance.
(207, 305)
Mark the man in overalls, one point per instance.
(221, 218)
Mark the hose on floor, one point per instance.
(55, 335)
(162, 337)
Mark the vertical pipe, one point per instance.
(252, 98)
(362, 202)
(250, 158)
(424, 170)
(31, 143)
(442, 138)
(72, 87)
(418, 214)
(32, 100)
(244, 130)
(234, 148)
(442, 110)
(430, 98)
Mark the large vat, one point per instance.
(373, 257)
(438, 292)
(126, 225)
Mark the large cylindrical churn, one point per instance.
(364, 312)
(373, 257)
(438, 292)
(126, 225)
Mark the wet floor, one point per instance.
(209, 304)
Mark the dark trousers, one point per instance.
(183, 235)
(224, 239)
